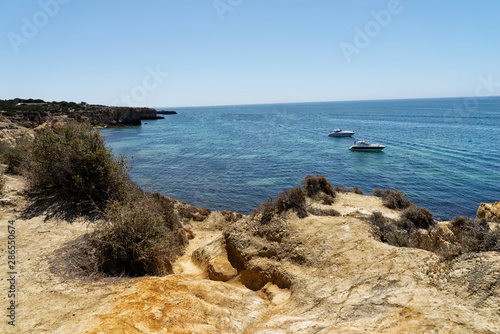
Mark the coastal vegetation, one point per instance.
(2, 183)
(136, 233)
(393, 199)
(416, 228)
(314, 187)
(141, 235)
(14, 157)
(75, 161)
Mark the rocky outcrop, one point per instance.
(346, 281)
(115, 116)
(319, 274)
(489, 211)
(166, 112)
(213, 258)
(60, 123)
(12, 135)
(35, 114)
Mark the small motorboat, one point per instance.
(340, 133)
(363, 145)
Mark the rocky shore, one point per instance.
(32, 113)
(319, 273)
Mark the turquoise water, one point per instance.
(445, 153)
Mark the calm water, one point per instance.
(445, 155)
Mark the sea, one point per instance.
(444, 153)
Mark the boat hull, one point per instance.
(341, 134)
(367, 149)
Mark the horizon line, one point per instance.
(361, 100)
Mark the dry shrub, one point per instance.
(393, 199)
(464, 234)
(193, 212)
(141, 236)
(317, 184)
(77, 259)
(327, 199)
(3, 181)
(266, 211)
(293, 199)
(419, 216)
(75, 161)
(230, 216)
(323, 211)
(358, 191)
(355, 190)
(387, 230)
(475, 235)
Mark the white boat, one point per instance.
(363, 145)
(340, 133)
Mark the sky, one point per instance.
(174, 53)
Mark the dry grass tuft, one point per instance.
(393, 199)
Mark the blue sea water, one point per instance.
(444, 153)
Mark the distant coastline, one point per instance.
(31, 113)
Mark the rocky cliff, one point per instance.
(319, 274)
(35, 114)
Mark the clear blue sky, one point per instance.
(245, 51)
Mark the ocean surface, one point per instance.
(444, 153)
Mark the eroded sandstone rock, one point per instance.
(489, 211)
(12, 135)
(213, 257)
(59, 123)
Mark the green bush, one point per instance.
(140, 236)
(15, 158)
(317, 184)
(76, 161)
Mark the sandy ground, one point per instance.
(44, 301)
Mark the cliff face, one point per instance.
(35, 114)
(113, 116)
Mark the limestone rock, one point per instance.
(213, 257)
(489, 211)
(58, 123)
(12, 135)
(349, 282)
